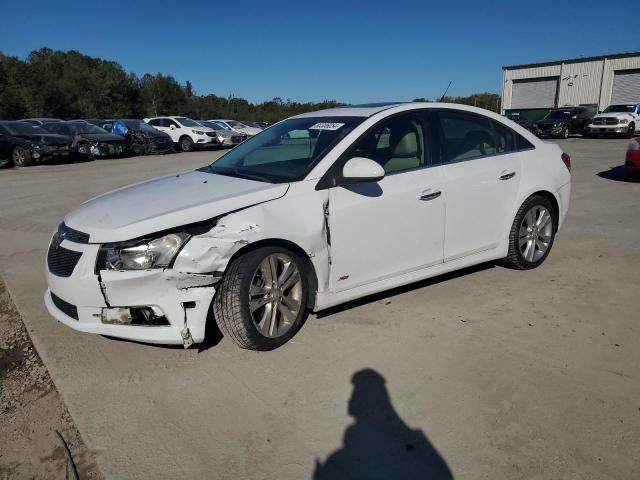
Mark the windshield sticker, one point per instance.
(326, 126)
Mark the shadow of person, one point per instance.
(379, 445)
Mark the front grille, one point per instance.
(65, 307)
(61, 261)
(73, 234)
(236, 139)
(605, 121)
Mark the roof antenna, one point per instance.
(445, 92)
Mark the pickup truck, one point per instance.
(615, 120)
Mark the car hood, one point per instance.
(152, 135)
(614, 115)
(102, 137)
(47, 139)
(249, 130)
(167, 202)
(227, 133)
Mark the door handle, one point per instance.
(425, 197)
(507, 175)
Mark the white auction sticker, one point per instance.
(326, 126)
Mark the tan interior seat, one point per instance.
(405, 153)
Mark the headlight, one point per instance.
(197, 132)
(623, 121)
(156, 253)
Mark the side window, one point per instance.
(3, 131)
(396, 144)
(170, 122)
(156, 122)
(522, 143)
(504, 138)
(466, 136)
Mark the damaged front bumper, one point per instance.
(161, 306)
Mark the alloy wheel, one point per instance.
(275, 295)
(19, 157)
(535, 233)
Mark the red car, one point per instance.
(632, 161)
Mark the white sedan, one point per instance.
(317, 210)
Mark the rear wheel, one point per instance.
(21, 157)
(186, 144)
(262, 300)
(532, 234)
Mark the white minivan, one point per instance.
(184, 132)
(317, 210)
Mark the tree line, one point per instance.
(70, 85)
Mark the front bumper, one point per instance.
(176, 295)
(606, 129)
(50, 152)
(553, 132)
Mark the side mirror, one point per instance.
(172, 127)
(362, 170)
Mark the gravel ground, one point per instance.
(31, 410)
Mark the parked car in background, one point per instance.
(370, 198)
(141, 138)
(562, 122)
(615, 120)
(251, 124)
(186, 133)
(22, 144)
(523, 122)
(263, 125)
(238, 127)
(632, 160)
(89, 140)
(225, 137)
(40, 121)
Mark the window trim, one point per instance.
(333, 176)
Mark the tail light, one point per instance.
(566, 159)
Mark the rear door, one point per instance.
(481, 177)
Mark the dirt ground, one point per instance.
(31, 411)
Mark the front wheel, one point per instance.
(565, 132)
(262, 300)
(532, 234)
(21, 157)
(186, 144)
(631, 130)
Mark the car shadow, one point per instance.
(618, 174)
(379, 444)
(404, 289)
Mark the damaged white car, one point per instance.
(317, 210)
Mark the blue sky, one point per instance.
(351, 51)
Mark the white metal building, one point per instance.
(604, 80)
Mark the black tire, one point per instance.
(515, 258)
(565, 132)
(630, 131)
(21, 157)
(186, 144)
(231, 301)
(138, 149)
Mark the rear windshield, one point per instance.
(285, 152)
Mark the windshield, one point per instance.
(84, 127)
(187, 122)
(620, 108)
(211, 125)
(18, 128)
(285, 152)
(559, 114)
(145, 127)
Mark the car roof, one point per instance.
(362, 110)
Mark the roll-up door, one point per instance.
(626, 87)
(535, 93)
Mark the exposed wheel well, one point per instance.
(278, 242)
(185, 136)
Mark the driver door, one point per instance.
(388, 228)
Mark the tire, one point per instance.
(21, 157)
(231, 304)
(631, 131)
(565, 133)
(138, 149)
(522, 238)
(186, 144)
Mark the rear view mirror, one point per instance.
(362, 170)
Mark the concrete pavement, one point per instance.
(506, 374)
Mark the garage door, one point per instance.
(534, 93)
(626, 87)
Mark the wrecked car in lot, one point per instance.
(23, 144)
(89, 140)
(318, 210)
(141, 138)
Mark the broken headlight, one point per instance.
(155, 253)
